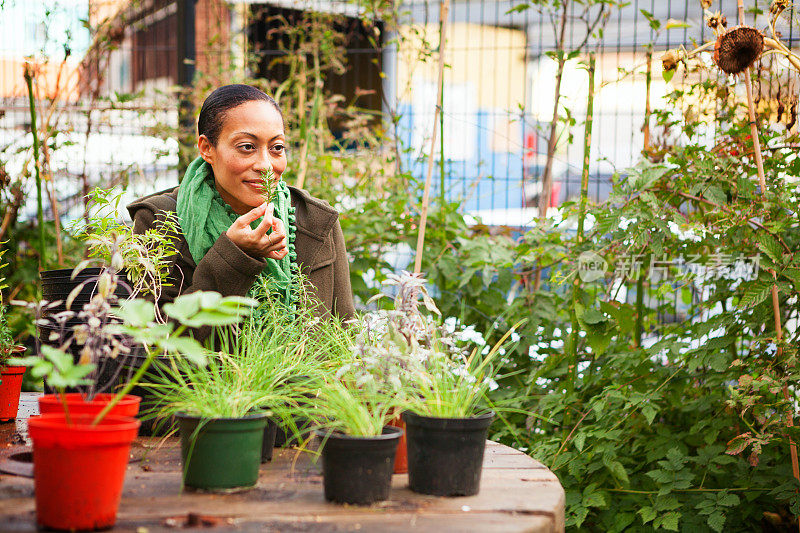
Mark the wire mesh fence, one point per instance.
(111, 76)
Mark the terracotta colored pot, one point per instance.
(10, 387)
(77, 405)
(79, 469)
(401, 458)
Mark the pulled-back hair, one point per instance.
(222, 100)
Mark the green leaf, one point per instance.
(647, 513)
(647, 175)
(768, 245)
(728, 500)
(654, 22)
(593, 316)
(667, 75)
(137, 313)
(593, 498)
(755, 293)
(579, 441)
(715, 195)
(617, 470)
(649, 413)
(668, 521)
(187, 347)
(716, 521)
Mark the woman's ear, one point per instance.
(206, 149)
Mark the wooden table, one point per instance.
(517, 494)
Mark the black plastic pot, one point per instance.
(58, 284)
(445, 455)
(358, 470)
(224, 453)
(269, 440)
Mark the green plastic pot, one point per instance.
(221, 453)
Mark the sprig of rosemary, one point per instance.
(270, 187)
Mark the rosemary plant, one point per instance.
(270, 185)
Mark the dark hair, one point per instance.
(223, 99)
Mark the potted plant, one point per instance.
(441, 385)
(90, 336)
(220, 417)
(141, 259)
(358, 447)
(447, 418)
(10, 376)
(391, 344)
(227, 410)
(80, 459)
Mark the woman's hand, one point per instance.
(260, 242)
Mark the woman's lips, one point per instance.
(259, 185)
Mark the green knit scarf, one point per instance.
(204, 216)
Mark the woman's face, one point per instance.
(252, 139)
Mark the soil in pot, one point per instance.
(79, 469)
(267, 447)
(358, 470)
(78, 405)
(222, 453)
(445, 455)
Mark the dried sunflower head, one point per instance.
(670, 60)
(717, 22)
(738, 48)
(779, 6)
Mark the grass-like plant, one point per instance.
(357, 410)
(454, 386)
(265, 363)
(425, 367)
(269, 186)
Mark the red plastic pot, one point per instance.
(401, 458)
(79, 469)
(10, 387)
(77, 405)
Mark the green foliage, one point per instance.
(263, 364)
(59, 368)
(145, 257)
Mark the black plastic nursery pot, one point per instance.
(358, 470)
(445, 455)
(58, 284)
(224, 453)
(267, 447)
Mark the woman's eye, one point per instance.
(278, 148)
(247, 146)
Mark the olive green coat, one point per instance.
(227, 269)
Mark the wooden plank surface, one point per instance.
(517, 494)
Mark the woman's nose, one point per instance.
(263, 161)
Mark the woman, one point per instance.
(219, 202)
